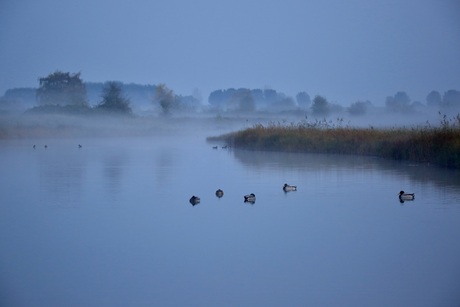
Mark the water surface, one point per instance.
(109, 224)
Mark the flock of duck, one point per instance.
(249, 198)
(46, 146)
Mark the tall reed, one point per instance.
(429, 144)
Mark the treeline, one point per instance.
(67, 92)
(64, 92)
(244, 99)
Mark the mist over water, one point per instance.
(110, 224)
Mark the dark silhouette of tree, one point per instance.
(320, 106)
(245, 100)
(359, 107)
(451, 98)
(113, 99)
(63, 89)
(398, 103)
(303, 99)
(165, 98)
(434, 99)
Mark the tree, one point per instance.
(451, 98)
(113, 99)
(399, 102)
(62, 88)
(303, 99)
(165, 98)
(245, 99)
(359, 107)
(434, 99)
(320, 106)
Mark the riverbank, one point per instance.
(438, 145)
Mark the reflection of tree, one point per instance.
(113, 171)
(61, 180)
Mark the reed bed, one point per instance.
(438, 145)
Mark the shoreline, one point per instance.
(432, 145)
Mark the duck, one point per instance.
(219, 193)
(251, 198)
(406, 196)
(194, 200)
(288, 187)
(79, 146)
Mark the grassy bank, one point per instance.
(439, 145)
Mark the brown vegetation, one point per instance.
(438, 145)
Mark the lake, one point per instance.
(110, 224)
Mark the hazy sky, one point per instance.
(344, 50)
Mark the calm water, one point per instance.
(110, 225)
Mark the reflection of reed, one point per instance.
(320, 162)
(113, 171)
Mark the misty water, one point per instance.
(110, 224)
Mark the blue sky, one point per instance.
(343, 50)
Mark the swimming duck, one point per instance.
(79, 146)
(406, 196)
(194, 200)
(288, 187)
(250, 198)
(219, 193)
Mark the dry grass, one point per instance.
(438, 145)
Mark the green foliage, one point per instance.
(113, 99)
(62, 88)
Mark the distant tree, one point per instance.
(359, 107)
(270, 96)
(258, 96)
(399, 102)
(303, 99)
(239, 100)
(220, 99)
(113, 99)
(17, 99)
(62, 88)
(434, 99)
(283, 104)
(187, 103)
(165, 98)
(320, 106)
(451, 98)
